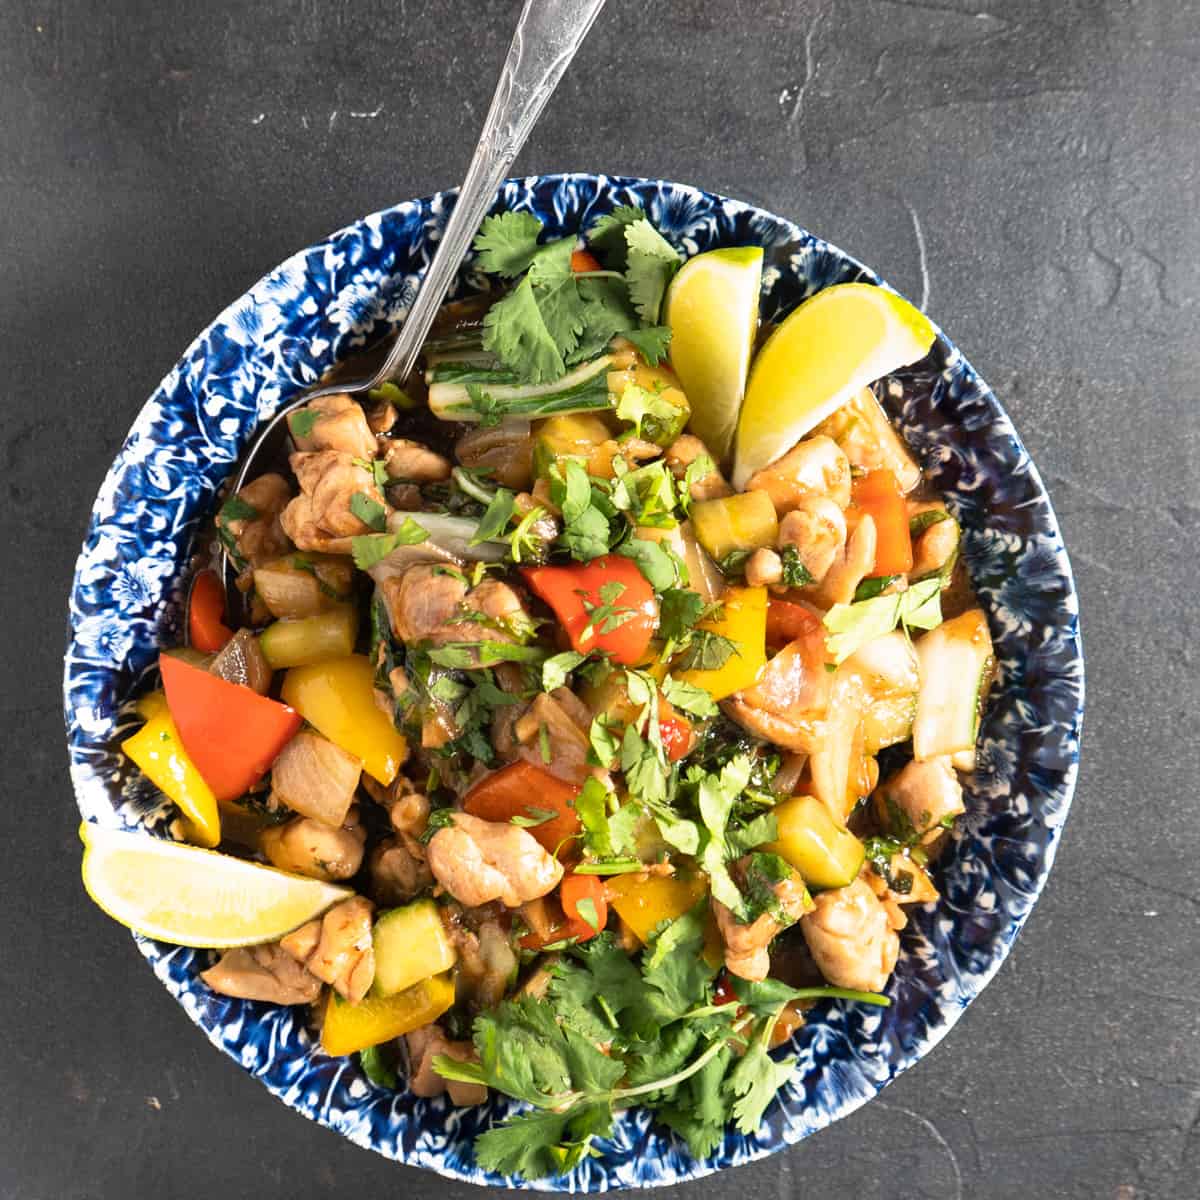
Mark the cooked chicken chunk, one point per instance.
(399, 870)
(851, 938)
(505, 450)
(312, 848)
(785, 706)
(263, 972)
(565, 737)
(260, 537)
(763, 568)
(850, 567)
(682, 453)
(746, 953)
(321, 518)
(413, 463)
(816, 527)
(338, 947)
(316, 778)
(935, 545)
(340, 425)
(815, 467)
(480, 861)
(424, 1045)
(922, 793)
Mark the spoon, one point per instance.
(545, 41)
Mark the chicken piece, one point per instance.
(407, 461)
(399, 870)
(330, 479)
(338, 948)
(381, 416)
(312, 848)
(816, 527)
(934, 547)
(815, 467)
(746, 953)
(849, 568)
(680, 455)
(480, 861)
(851, 939)
(421, 600)
(566, 737)
(316, 778)
(261, 537)
(923, 795)
(264, 972)
(787, 703)
(884, 894)
(486, 964)
(340, 425)
(505, 450)
(763, 568)
(424, 1045)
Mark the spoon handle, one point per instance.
(543, 45)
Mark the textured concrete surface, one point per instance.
(1028, 168)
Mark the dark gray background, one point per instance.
(1029, 168)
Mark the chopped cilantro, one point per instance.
(638, 403)
(507, 242)
(795, 573)
(372, 548)
(236, 509)
(706, 651)
(302, 422)
(496, 516)
(651, 342)
(532, 817)
(688, 697)
(370, 512)
(851, 626)
(874, 586)
(557, 667)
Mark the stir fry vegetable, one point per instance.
(607, 752)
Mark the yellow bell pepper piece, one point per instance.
(825, 854)
(643, 904)
(743, 522)
(337, 699)
(350, 1027)
(157, 750)
(743, 621)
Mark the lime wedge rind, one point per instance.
(712, 310)
(830, 347)
(189, 896)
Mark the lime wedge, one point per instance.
(712, 309)
(834, 344)
(195, 897)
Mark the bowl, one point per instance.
(345, 293)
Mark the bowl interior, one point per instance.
(341, 295)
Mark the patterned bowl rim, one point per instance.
(780, 1133)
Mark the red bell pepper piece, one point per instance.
(583, 261)
(232, 734)
(622, 627)
(787, 621)
(676, 731)
(878, 494)
(574, 890)
(206, 608)
(519, 790)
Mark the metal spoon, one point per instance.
(545, 41)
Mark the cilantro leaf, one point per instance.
(852, 626)
(301, 424)
(372, 548)
(652, 560)
(651, 342)
(532, 817)
(607, 236)
(557, 667)
(236, 509)
(507, 242)
(678, 611)
(542, 1143)
(495, 518)
(795, 573)
(605, 311)
(688, 697)
(755, 1080)
(637, 403)
(706, 651)
(551, 264)
(652, 260)
(603, 741)
(370, 512)
(874, 586)
(515, 331)
(376, 1067)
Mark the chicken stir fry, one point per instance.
(590, 739)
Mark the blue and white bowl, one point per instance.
(344, 293)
